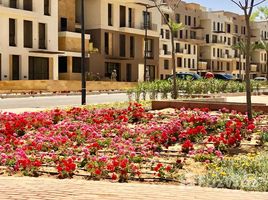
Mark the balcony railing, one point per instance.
(141, 26)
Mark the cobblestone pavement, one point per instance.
(12, 188)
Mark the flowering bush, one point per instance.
(118, 144)
(248, 172)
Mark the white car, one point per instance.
(260, 79)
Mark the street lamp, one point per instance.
(83, 59)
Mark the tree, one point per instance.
(173, 27)
(240, 46)
(264, 45)
(247, 7)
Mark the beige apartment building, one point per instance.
(259, 57)
(42, 40)
(187, 41)
(69, 33)
(117, 31)
(28, 41)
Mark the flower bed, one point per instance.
(117, 144)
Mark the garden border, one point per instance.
(211, 105)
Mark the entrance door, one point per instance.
(15, 67)
(129, 74)
(152, 72)
(38, 68)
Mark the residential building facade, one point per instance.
(69, 33)
(187, 40)
(42, 40)
(28, 41)
(118, 33)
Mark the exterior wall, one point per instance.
(69, 40)
(67, 9)
(97, 27)
(36, 16)
(188, 45)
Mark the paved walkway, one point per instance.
(12, 188)
(242, 99)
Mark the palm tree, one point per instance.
(264, 45)
(241, 47)
(173, 27)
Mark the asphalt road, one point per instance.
(30, 103)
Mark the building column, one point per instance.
(53, 69)
(24, 67)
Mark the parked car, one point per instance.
(260, 79)
(226, 77)
(186, 76)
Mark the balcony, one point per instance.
(135, 28)
(202, 65)
(164, 52)
(71, 41)
(253, 68)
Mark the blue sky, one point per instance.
(221, 4)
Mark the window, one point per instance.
(228, 28)
(194, 22)
(130, 18)
(165, 49)
(228, 66)
(178, 47)
(28, 5)
(110, 14)
(122, 39)
(62, 64)
(63, 24)
(122, 16)
(13, 3)
(189, 49)
(147, 20)
(132, 46)
(38, 68)
(186, 20)
(108, 45)
(42, 36)
(28, 34)
(162, 33)
(178, 18)
(214, 52)
(15, 67)
(167, 34)
(189, 62)
(189, 20)
(192, 35)
(47, 7)
(181, 34)
(12, 32)
(179, 62)
(76, 65)
(150, 53)
(236, 28)
(166, 64)
(165, 20)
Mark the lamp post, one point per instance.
(146, 26)
(83, 59)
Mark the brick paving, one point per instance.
(16, 188)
